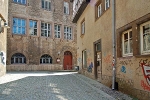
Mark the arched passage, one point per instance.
(67, 60)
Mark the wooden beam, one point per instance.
(2, 18)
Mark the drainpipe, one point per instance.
(114, 45)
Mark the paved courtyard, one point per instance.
(54, 86)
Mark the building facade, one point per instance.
(95, 43)
(3, 35)
(41, 35)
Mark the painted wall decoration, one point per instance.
(123, 69)
(90, 67)
(145, 64)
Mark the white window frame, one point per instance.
(46, 59)
(128, 44)
(99, 10)
(33, 28)
(57, 31)
(46, 31)
(46, 6)
(67, 32)
(18, 59)
(144, 52)
(66, 7)
(19, 28)
(83, 27)
(107, 4)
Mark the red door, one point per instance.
(67, 60)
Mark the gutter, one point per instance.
(114, 45)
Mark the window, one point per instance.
(99, 10)
(46, 4)
(18, 58)
(20, 1)
(127, 43)
(19, 26)
(57, 31)
(46, 59)
(33, 27)
(107, 4)
(67, 33)
(84, 58)
(45, 29)
(145, 37)
(83, 27)
(66, 8)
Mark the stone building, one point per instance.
(3, 35)
(95, 43)
(41, 35)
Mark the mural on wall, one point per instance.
(145, 65)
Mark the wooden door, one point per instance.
(67, 60)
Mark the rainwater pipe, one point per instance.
(114, 45)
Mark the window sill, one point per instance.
(140, 56)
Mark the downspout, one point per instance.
(114, 44)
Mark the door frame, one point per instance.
(95, 58)
(71, 60)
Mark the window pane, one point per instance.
(23, 30)
(42, 3)
(14, 29)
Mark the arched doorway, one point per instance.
(67, 60)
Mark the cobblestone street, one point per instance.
(54, 86)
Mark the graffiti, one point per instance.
(90, 67)
(145, 86)
(123, 69)
(126, 62)
(107, 59)
(79, 60)
(145, 64)
(2, 57)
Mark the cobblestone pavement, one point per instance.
(54, 86)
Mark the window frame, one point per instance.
(66, 8)
(17, 26)
(44, 58)
(21, 2)
(18, 58)
(99, 10)
(84, 59)
(83, 27)
(57, 32)
(107, 4)
(33, 28)
(69, 32)
(142, 40)
(47, 29)
(128, 43)
(46, 6)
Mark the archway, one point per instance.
(67, 60)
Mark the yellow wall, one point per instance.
(95, 30)
(3, 35)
